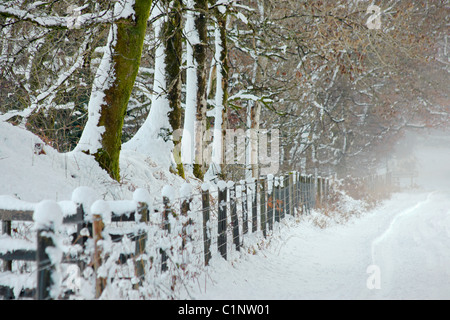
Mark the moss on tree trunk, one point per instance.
(200, 48)
(222, 25)
(172, 36)
(126, 61)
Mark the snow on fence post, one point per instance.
(244, 207)
(262, 204)
(234, 217)
(48, 218)
(101, 213)
(84, 197)
(143, 200)
(222, 219)
(206, 223)
(168, 196)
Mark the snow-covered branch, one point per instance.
(74, 20)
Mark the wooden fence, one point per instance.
(214, 220)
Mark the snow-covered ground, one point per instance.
(400, 250)
(54, 176)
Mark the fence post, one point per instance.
(48, 217)
(167, 193)
(277, 197)
(302, 194)
(100, 214)
(319, 191)
(307, 193)
(222, 220)
(262, 203)
(6, 229)
(206, 227)
(282, 198)
(313, 192)
(255, 206)
(299, 193)
(234, 217)
(270, 201)
(290, 198)
(296, 194)
(84, 197)
(244, 208)
(186, 191)
(142, 197)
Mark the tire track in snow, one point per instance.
(390, 228)
(400, 258)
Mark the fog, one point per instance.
(430, 155)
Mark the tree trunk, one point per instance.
(158, 136)
(113, 85)
(195, 115)
(172, 36)
(221, 97)
(200, 58)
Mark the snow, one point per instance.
(124, 9)
(270, 183)
(221, 185)
(73, 176)
(48, 214)
(398, 250)
(92, 134)
(102, 209)
(186, 191)
(142, 195)
(9, 244)
(407, 239)
(152, 137)
(18, 282)
(12, 203)
(169, 192)
(217, 156)
(85, 196)
(188, 138)
(206, 186)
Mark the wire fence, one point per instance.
(142, 248)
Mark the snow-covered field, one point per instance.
(400, 250)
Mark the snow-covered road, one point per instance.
(401, 250)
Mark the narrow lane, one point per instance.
(407, 240)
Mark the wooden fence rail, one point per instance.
(243, 207)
